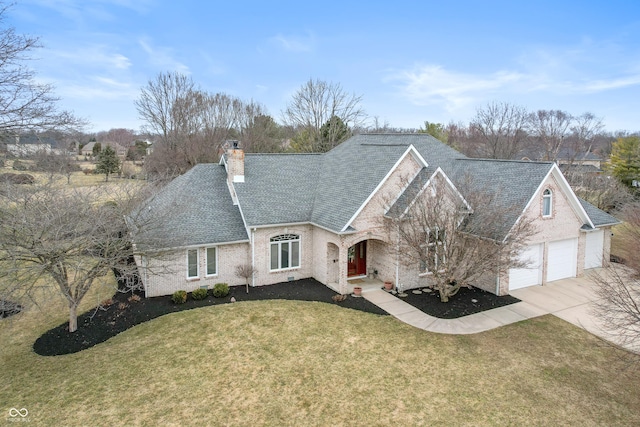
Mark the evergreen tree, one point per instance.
(108, 162)
(625, 159)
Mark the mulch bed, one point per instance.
(466, 301)
(102, 323)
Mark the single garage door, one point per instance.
(532, 274)
(562, 259)
(594, 249)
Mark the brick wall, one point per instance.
(167, 274)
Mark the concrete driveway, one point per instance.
(571, 300)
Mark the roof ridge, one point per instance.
(541, 162)
(283, 154)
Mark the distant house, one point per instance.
(121, 151)
(30, 144)
(293, 216)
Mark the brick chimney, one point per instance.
(235, 163)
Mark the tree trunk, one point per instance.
(73, 317)
(443, 295)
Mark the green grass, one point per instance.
(304, 363)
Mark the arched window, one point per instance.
(285, 251)
(547, 203)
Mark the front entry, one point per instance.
(357, 259)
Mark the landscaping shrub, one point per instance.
(200, 293)
(17, 178)
(220, 290)
(19, 166)
(179, 297)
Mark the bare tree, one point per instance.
(584, 129)
(618, 287)
(550, 127)
(502, 129)
(192, 124)
(457, 240)
(600, 189)
(54, 164)
(25, 104)
(160, 105)
(318, 103)
(71, 236)
(618, 305)
(246, 272)
(66, 235)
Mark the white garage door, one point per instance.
(561, 259)
(532, 274)
(593, 249)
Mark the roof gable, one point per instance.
(197, 209)
(409, 152)
(567, 191)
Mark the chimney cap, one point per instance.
(234, 144)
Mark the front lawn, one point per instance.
(310, 363)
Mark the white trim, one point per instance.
(197, 251)
(550, 197)
(404, 188)
(206, 257)
(411, 149)
(565, 188)
(253, 256)
(424, 187)
(284, 224)
(290, 260)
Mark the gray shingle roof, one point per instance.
(598, 217)
(278, 188)
(509, 184)
(193, 209)
(328, 189)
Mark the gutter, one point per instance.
(253, 257)
(398, 257)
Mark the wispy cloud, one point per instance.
(549, 72)
(294, 43)
(97, 56)
(83, 11)
(163, 57)
(98, 88)
(433, 84)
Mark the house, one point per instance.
(294, 216)
(31, 144)
(121, 150)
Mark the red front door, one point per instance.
(357, 259)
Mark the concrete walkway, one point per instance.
(569, 299)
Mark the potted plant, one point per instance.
(357, 291)
(388, 286)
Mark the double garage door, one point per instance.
(561, 263)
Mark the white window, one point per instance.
(285, 251)
(434, 250)
(212, 262)
(192, 264)
(547, 203)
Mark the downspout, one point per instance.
(144, 273)
(253, 257)
(398, 256)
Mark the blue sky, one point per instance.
(410, 60)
